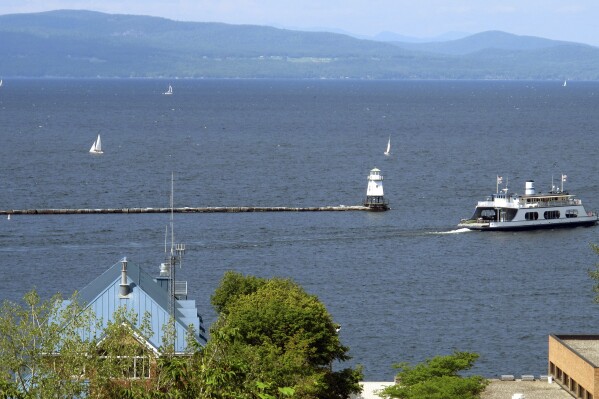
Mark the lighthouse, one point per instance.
(375, 199)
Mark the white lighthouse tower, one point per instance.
(375, 198)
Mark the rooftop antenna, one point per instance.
(165, 238)
(175, 256)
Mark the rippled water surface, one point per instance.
(404, 285)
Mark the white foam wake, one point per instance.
(457, 231)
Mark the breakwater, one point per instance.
(216, 209)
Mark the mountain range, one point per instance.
(69, 43)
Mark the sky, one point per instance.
(570, 20)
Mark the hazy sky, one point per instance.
(573, 20)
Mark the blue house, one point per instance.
(126, 285)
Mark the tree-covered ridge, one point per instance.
(90, 44)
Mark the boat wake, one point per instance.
(456, 231)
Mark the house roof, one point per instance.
(146, 296)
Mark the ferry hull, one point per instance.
(537, 225)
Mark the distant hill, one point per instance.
(489, 40)
(91, 44)
(386, 36)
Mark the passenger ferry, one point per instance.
(510, 211)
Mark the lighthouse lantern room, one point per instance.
(375, 199)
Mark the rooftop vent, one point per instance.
(124, 288)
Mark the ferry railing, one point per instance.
(545, 204)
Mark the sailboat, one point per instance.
(565, 83)
(169, 91)
(388, 150)
(97, 147)
(0, 82)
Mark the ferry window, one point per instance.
(531, 215)
(551, 215)
(572, 213)
(488, 214)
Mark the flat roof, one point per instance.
(497, 389)
(584, 345)
(588, 348)
(538, 389)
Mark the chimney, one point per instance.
(124, 288)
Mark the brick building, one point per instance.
(574, 364)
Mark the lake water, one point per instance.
(405, 285)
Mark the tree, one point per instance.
(232, 286)
(48, 350)
(437, 378)
(120, 361)
(594, 274)
(31, 337)
(273, 339)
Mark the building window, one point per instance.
(559, 374)
(132, 367)
(140, 367)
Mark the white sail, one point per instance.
(96, 146)
(169, 91)
(565, 83)
(388, 150)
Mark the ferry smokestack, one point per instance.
(530, 187)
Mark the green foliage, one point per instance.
(121, 361)
(233, 286)
(594, 274)
(272, 339)
(281, 313)
(31, 334)
(437, 378)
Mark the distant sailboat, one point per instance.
(565, 83)
(0, 82)
(96, 146)
(388, 150)
(169, 91)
